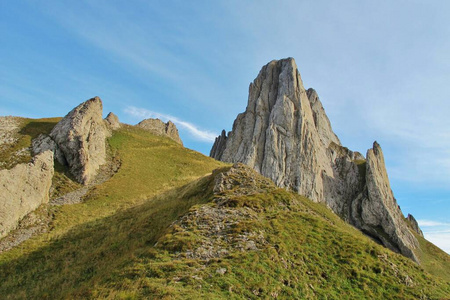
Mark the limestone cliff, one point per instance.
(277, 133)
(24, 188)
(286, 135)
(158, 127)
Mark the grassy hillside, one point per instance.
(127, 240)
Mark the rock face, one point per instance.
(376, 212)
(280, 135)
(158, 127)
(414, 224)
(24, 188)
(78, 140)
(219, 145)
(285, 135)
(112, 121)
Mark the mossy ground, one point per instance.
(106, 247)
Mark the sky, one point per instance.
(381, 69)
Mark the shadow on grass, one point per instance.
(35, 128)
(69, 266)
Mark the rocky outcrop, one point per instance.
(414, 224)
(214, 225)
(24, 188)
(285, 135)
(158, 127)
(112, 121)
(376, 212)
(219, 145)
(78, 140)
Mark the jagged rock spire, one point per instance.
(275, 133)
(286, 135)
(414, 224)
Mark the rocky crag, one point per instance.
(113, 121)
(24, 188)
(414, 224)
(156, 126)
(79, 140)
(285, 135)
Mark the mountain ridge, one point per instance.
(167, 222)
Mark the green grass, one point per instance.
(94, 237)
(433, 259)
(119, 243)
(30, 129)
(311, 254)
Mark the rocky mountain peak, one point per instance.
(285, 135)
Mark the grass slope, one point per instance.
(119, 243)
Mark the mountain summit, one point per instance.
(285, 135)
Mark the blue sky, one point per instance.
(381, 69)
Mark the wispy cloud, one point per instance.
(437, 232)
(194, 131)
(440, 239)
(429, 223)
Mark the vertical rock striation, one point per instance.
(286, 135)
(219, 145)
(24, 188)
(276, 134)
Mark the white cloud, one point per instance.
(429, 223)
(197, 133)
(440, 239)
(437, 232)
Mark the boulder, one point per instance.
(24, 188)
(158, 127)
(80, 138)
